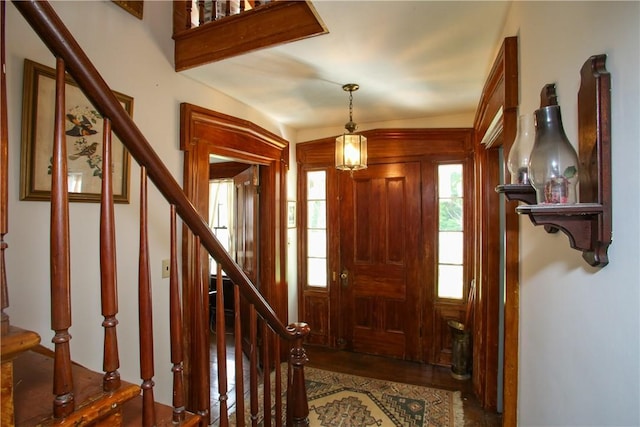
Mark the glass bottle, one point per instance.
(553, 164)
(518, 160)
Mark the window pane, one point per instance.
(450, 281)
(317, 272)
(317, 243)
(450, 247)
(450, 214)
(451, 236)
(316, 185)
(450, 180)
(317, 214)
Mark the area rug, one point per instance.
(337, 399)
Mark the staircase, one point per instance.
(45, 387)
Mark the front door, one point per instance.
(380, 232)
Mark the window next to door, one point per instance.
(450, 282)
(317, 228)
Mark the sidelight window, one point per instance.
(450, 231)
(317, 228)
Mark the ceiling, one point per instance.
(412, 59)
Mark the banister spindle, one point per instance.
(175, 319)
(266, 375)
(278, 378)
(4, 186)
(145, 310)
(199, 318)
(238, 357)
(188, 4)
(221, 348)
(64, 401)
(108, 286)
(253, 364)
(201, 19)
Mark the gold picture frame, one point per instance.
(83, 128)
(134, 7)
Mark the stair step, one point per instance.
(17, 341)
(33, 373)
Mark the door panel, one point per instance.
(246, 220)
(245, 241)
(380, 245)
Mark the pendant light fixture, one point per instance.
(351, 149)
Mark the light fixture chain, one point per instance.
(351, 106)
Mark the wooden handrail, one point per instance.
(49, 27)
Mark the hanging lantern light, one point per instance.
(351, 148)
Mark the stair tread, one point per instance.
(33, 388)
(17, 340)
(34, 397)
(164, 415)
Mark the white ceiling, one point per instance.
(412, 59)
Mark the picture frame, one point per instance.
(83, 128)
(134, 7)
(291, 214)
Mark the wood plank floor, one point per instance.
(373, 367)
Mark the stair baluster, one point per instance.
(145, 311)
(4, 186)
(175, 320)
(221, 348)
(64, 402)
(111, 361)
(238, 357)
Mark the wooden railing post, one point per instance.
(4, 176)
(145, 311)
(63, 403)
(297, 404)
(175, 320)
(108, 269)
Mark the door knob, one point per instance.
(344, 277)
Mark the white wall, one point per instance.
(579, 326)
(136, 58)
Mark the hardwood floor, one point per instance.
(368, 366)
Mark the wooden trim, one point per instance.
(271, 24)
(500, 93)
(202, 133)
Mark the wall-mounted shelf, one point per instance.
(588, 223)
(518, 192)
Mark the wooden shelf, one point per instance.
(588, 223)
(519, 192)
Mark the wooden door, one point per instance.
(245, 240)
(380, 231)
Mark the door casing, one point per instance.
(204, 132)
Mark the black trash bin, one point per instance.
(460, 350)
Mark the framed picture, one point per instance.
(134, 7)
(83, 128)
(291, 214)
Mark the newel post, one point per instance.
(297, 405)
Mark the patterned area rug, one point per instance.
(350, 401)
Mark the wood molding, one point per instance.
(500, 93)
(271, 24)
(202, 133)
